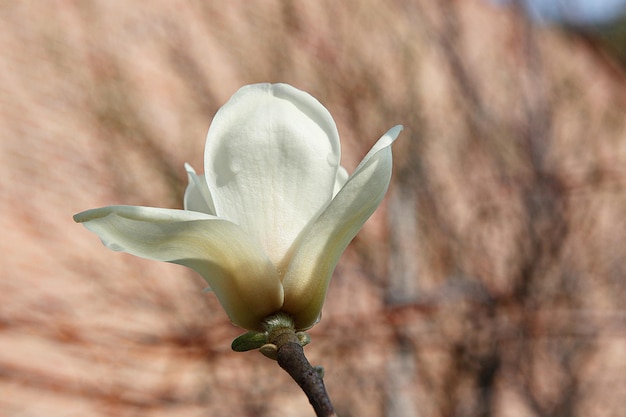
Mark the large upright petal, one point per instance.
(319, 248)
(271, 161)
(241, 275)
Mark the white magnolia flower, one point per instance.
(266, 224)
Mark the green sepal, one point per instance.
(303, 338)
(269, 350)
(249, 341)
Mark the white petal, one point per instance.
(340, 180)
(271, 161)
(197, 195)
(320, 247)
(242, 277)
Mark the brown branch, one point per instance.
(290, 357)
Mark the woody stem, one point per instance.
(290, 356)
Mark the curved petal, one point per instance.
(271, 160)
(197, 194)
(242, 277)
(340, 180)
(319, 248)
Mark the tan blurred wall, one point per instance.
(491, 281)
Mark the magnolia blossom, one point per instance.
(266, 224)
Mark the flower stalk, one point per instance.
(288, 347)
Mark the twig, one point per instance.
(290, 356)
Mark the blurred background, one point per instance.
(491, 281)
